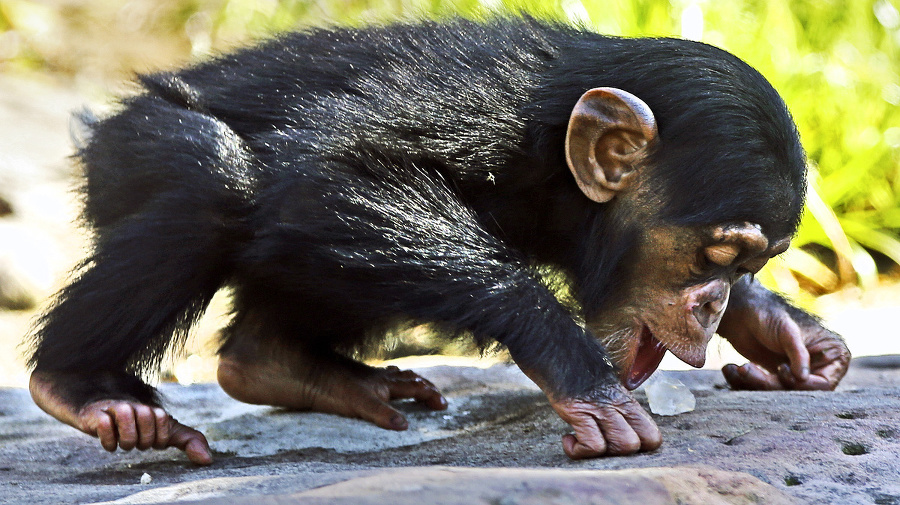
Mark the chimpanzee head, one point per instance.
(708, 176)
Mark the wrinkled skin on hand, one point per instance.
(131, 425)
(788, 349)
(118, 423)
(607, 422)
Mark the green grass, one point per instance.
(835, 62)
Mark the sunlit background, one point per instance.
(835, 62)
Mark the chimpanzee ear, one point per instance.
(608, 131)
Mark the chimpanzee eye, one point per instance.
(702, 265)
(722, 254)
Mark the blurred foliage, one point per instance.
(835, 62)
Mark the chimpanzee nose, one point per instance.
(709, 313)
(710, 303)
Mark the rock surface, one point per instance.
(498, 443)
(508, 486)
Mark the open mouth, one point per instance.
(650, 352)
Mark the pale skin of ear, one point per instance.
(607, 132)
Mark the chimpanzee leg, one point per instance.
(270, 358)
(150, 276)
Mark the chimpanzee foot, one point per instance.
(334, 385)
(128, 424)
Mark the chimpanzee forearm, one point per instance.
(796, 350)
(747, 294)
(405, 245)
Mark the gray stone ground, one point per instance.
(498, 443)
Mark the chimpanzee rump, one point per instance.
(342, 181)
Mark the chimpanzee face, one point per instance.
(677, 292)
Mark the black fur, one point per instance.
(343, 180)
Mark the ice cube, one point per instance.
(668, 396)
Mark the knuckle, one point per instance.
(628, 448)
(653, 439)
(143, 412)
(591, 447)
(123, 411)
(625, 445)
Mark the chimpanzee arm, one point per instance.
(396, 240)
(788, 348)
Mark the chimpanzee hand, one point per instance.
(131, 425)
(788, 349)
(608, 422)
(128, 424)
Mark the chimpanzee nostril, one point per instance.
(707, 302)
(703, 314)
(717, 305)
(708, 313)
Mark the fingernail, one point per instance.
(399, 422)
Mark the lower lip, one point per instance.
(649, 354)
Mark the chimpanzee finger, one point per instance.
(587, 441)
(823, 379)
(833, 372)
(162, 428)
(814, 383)
(106, 430)
(787, 378)
(830, 351)
(419, 389)
(126, 427)
(619, 434)
(373, 409)
(410, 376)
(751, 377)
(791, 339)
(583, 448)
(409, 384)
(145, 421)
(644, 426)
(191, 441)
